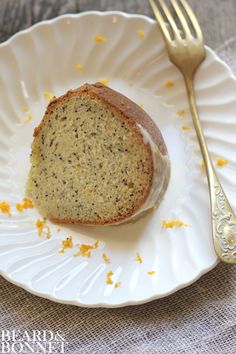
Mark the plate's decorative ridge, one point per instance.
(139, 68)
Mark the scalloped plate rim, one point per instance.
(103, 304)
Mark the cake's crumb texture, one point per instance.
(90, 164)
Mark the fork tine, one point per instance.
(170, 19)
(182, 19)
(160, 21)
(192, 18)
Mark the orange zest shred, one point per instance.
(109, 281)
(48, 95)
(5, 207)
(27, 204)
(104, 81)
(172, 223)
(141, 33)
(79, 67)
(203, 165)
(117, 284)
(169, 84)
(43, 228)
(181, 113)
(26, 109)
(151, 272)
(185, 128)
(138, 258)
(221, 162)
(85, 250)
(100, 39)
(68, 243)
(28, 119)
(106, 258)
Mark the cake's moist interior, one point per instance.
(89, 164)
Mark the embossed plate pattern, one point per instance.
(133, 58)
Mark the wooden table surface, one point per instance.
(217, 17)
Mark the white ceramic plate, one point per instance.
(43, 58)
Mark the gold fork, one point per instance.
(185, 47)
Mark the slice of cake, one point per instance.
(97, 158)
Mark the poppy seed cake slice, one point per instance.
(97, 158)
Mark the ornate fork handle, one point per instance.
(223, 218)
(224, 225)
(186, 50)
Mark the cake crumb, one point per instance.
(106, 258)
(151, 272)
(221, 162)
(41, 226)
(85, 250)
(117, 284)
(138, 258)
(141, 105)
(109, 281)
(185, 128)
(172, 223)
(169, 84)
(68, 243)
(104, 81)
(28, 119)
(100, 39)
(79, 68)
(181, 113)
(48, 95)
(26, 204)
(5, 207)
(141, 33)
(58, 230)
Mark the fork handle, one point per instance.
(222, 215)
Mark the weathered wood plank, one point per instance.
(217, 17)
(16, 15)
